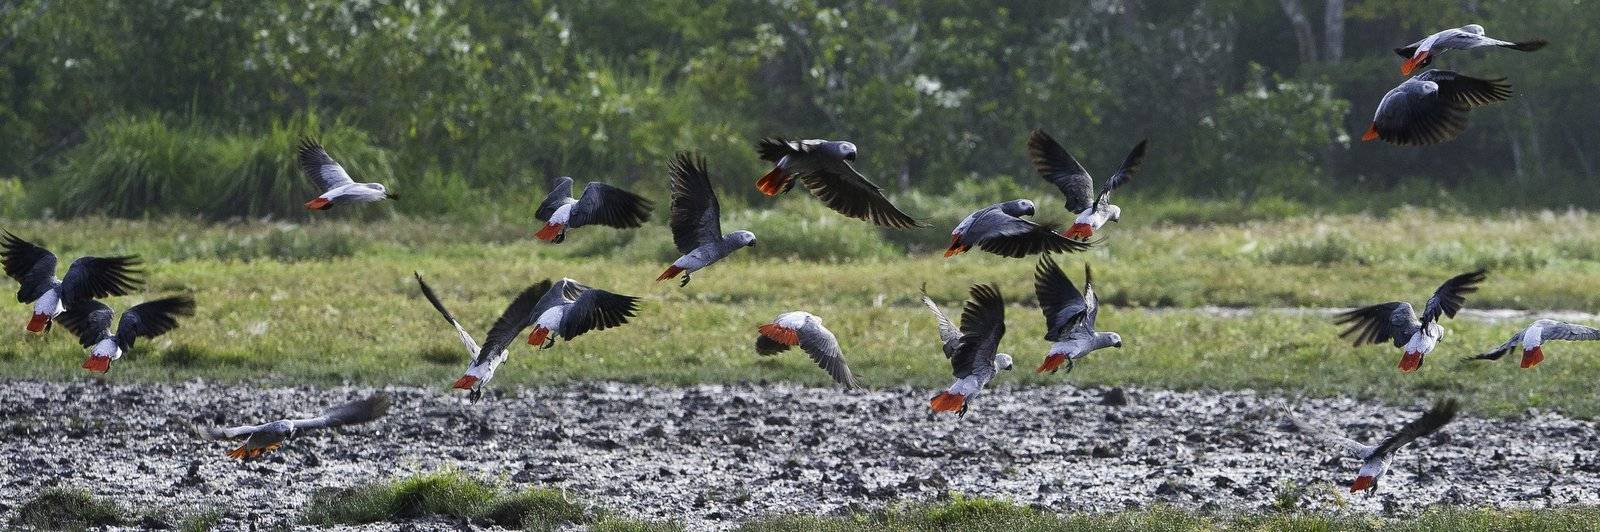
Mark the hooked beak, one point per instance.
(1117, 345)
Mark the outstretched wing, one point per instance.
(1125, 173)
(31, 266)
(610, 206)
(823, 347)
(1345, 445)
(466, 338)
(230, 433)
(88, 321)
(1447, 300)
(949, 335)
(1569, 331)
(1055, 165)
(1063, 306)
(321, 169)
(1008, 236)
(1431, 421)
(560, 192)
(1501, 351)
(1468, 90)
(597, 310)
(151, 319)
(696, 216)
(847, 192)
(517, 316)
(983, 323)
(96, 277)
(1394, 321)
(353, 412)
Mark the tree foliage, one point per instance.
(477, 95)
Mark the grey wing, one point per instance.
(321, 169)
(823, 347)
(1501, 351)
(847, 192)
(1431, 421)
(466, 338)
(560, 194)
(96, 277)
(1090, 298)
(597, 310)
(1002, 234)
(1346, 445)
(1569, 331)
(353, 412)
(1460, 40)
(983, 324)
(1130, 167)
(774, 149)
(1394, 321)
(696, 214)
(610, 206)
(1451, 295)
(517, 316)
(89, 321)
(229, 433)
(1063, 306)
(1468, 91)
(31, 266)
(949, 335)
(152, 318)
(1055, 165)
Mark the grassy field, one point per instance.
(459, 496)
(334, 302)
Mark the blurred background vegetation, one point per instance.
(467, 107)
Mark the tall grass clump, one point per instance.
(131, 167)
(12, 198)
(68, 509)
(455, 494)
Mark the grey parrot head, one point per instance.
(741, 238)
(1473, 29)
(843, 150)
(1003, 361)
(1019, 207)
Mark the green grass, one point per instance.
(334, 302)
(455, 494)
(68, 509)
(982, 514)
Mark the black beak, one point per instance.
(1117, 345)
(391, 195)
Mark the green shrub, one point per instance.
(536, 509)
(449, 493)
(281, 243)
(1335, 248)
(132, 167)
(12, 198)
(68, 509)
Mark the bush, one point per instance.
(12, 198)
(138, 166)
(68, 509)
(449, 493)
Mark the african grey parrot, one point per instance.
(1432, 107)
(1093, 210)
(696, 220)
(806, 330)
(91, 323)
(1376, 458)
(267, 437)
(824, 166)
(1068, 316)
(1533, 338)
(600, 204)
(977, 358)
(1420, 54)
(998, 229)
(1397, 322)
(88, 278)
(486, 359)
(569, 309)
(336, 186)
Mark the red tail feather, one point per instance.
(772, 183)
(97, 364)
(947, 402)
(671, 272)
(319, 204)
(549, 232)
(466, 382)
